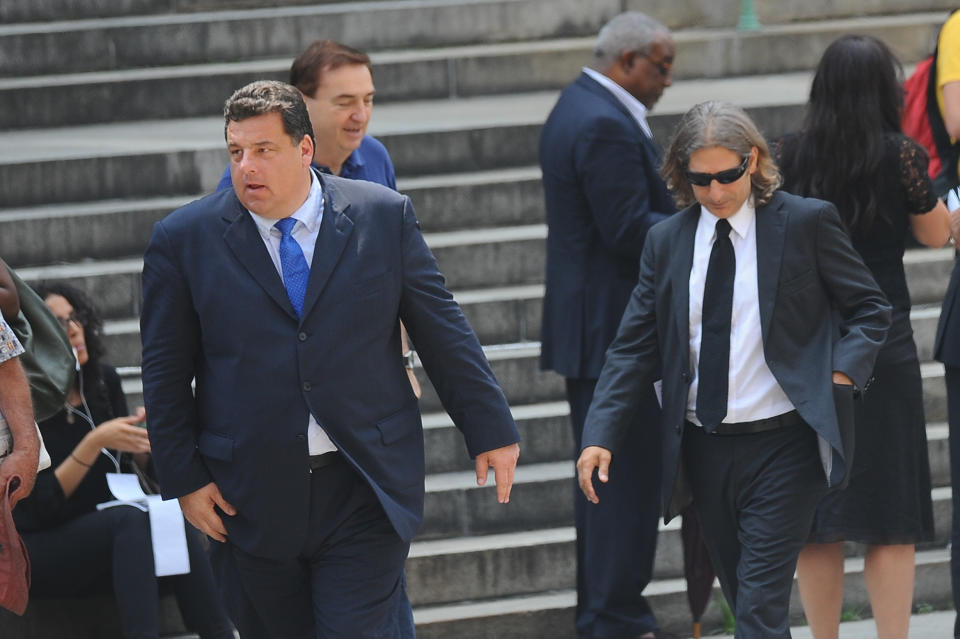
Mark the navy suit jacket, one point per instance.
(820, 311)
(603, 192)
(215, 310)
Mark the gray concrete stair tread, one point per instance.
(113, 42)
(150, 136)
(937, 558)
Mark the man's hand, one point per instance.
(591, 458)
(842, 378)
(504, 461)
(198, 506)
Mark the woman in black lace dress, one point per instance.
(851, 152)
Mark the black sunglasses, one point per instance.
(723, 177)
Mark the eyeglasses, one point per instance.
(65, 321)
(663, 67)
(723, 177)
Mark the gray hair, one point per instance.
(629, 31)
(717, 123)
(269, 96)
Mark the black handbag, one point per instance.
(48, 358)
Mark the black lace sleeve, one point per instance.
(913, 176)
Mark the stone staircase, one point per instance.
(109, 120)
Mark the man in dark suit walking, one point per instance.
(603, 192)
(301, 451)
(761, 320)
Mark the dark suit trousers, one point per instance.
(346, 583)
(617, 538)
(953, 410)
(756, 496)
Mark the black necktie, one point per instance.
(714, 364)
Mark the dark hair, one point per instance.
(89, 318)
(717, 123)
(855, 104)
(306, 72)
(270, 96)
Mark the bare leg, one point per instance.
(889, 574)
(820, 579)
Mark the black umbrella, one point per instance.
(697, 567)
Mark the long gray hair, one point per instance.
(717, 123)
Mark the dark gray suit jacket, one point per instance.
(820, 311)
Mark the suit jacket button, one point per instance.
(302, 337)
(306, 386)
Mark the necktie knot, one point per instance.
(723, 228)
(285, 226)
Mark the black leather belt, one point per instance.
(760, 425)
(322, 461)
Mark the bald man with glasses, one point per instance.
(603, 192)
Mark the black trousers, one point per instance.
(347, 582)
(113, 547)
(756, 496)
(953, 410)
(617, 538)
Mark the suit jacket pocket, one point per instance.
(798, 282)
(216, 446)
(369, 286)
(397, 426)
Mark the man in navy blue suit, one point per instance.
(300, 452)
(603, 192)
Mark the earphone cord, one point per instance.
(88, 417)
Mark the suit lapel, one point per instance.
(335, 229)
(771, 231)
(680, 273)
(243, 238)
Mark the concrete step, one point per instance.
(673, 13)
(527, 562)
(550, 614)
(162, 158)
(231, 35)
(197, 88)
(79, 231)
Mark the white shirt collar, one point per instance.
(739, 221)
(633, 105)
(309, 213)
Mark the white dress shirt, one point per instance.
(633, 105)
(305, 232)
(753, 392)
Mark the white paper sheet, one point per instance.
(166, 523)
(169, 537)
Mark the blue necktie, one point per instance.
(714, 369)
(293, 264)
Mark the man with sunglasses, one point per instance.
(603, 192)
(761, 320)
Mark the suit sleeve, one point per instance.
(614, 169)
(449, 349)
(632, 361)
(855, 294)
(170, 332)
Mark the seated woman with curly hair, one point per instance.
(75, 548)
